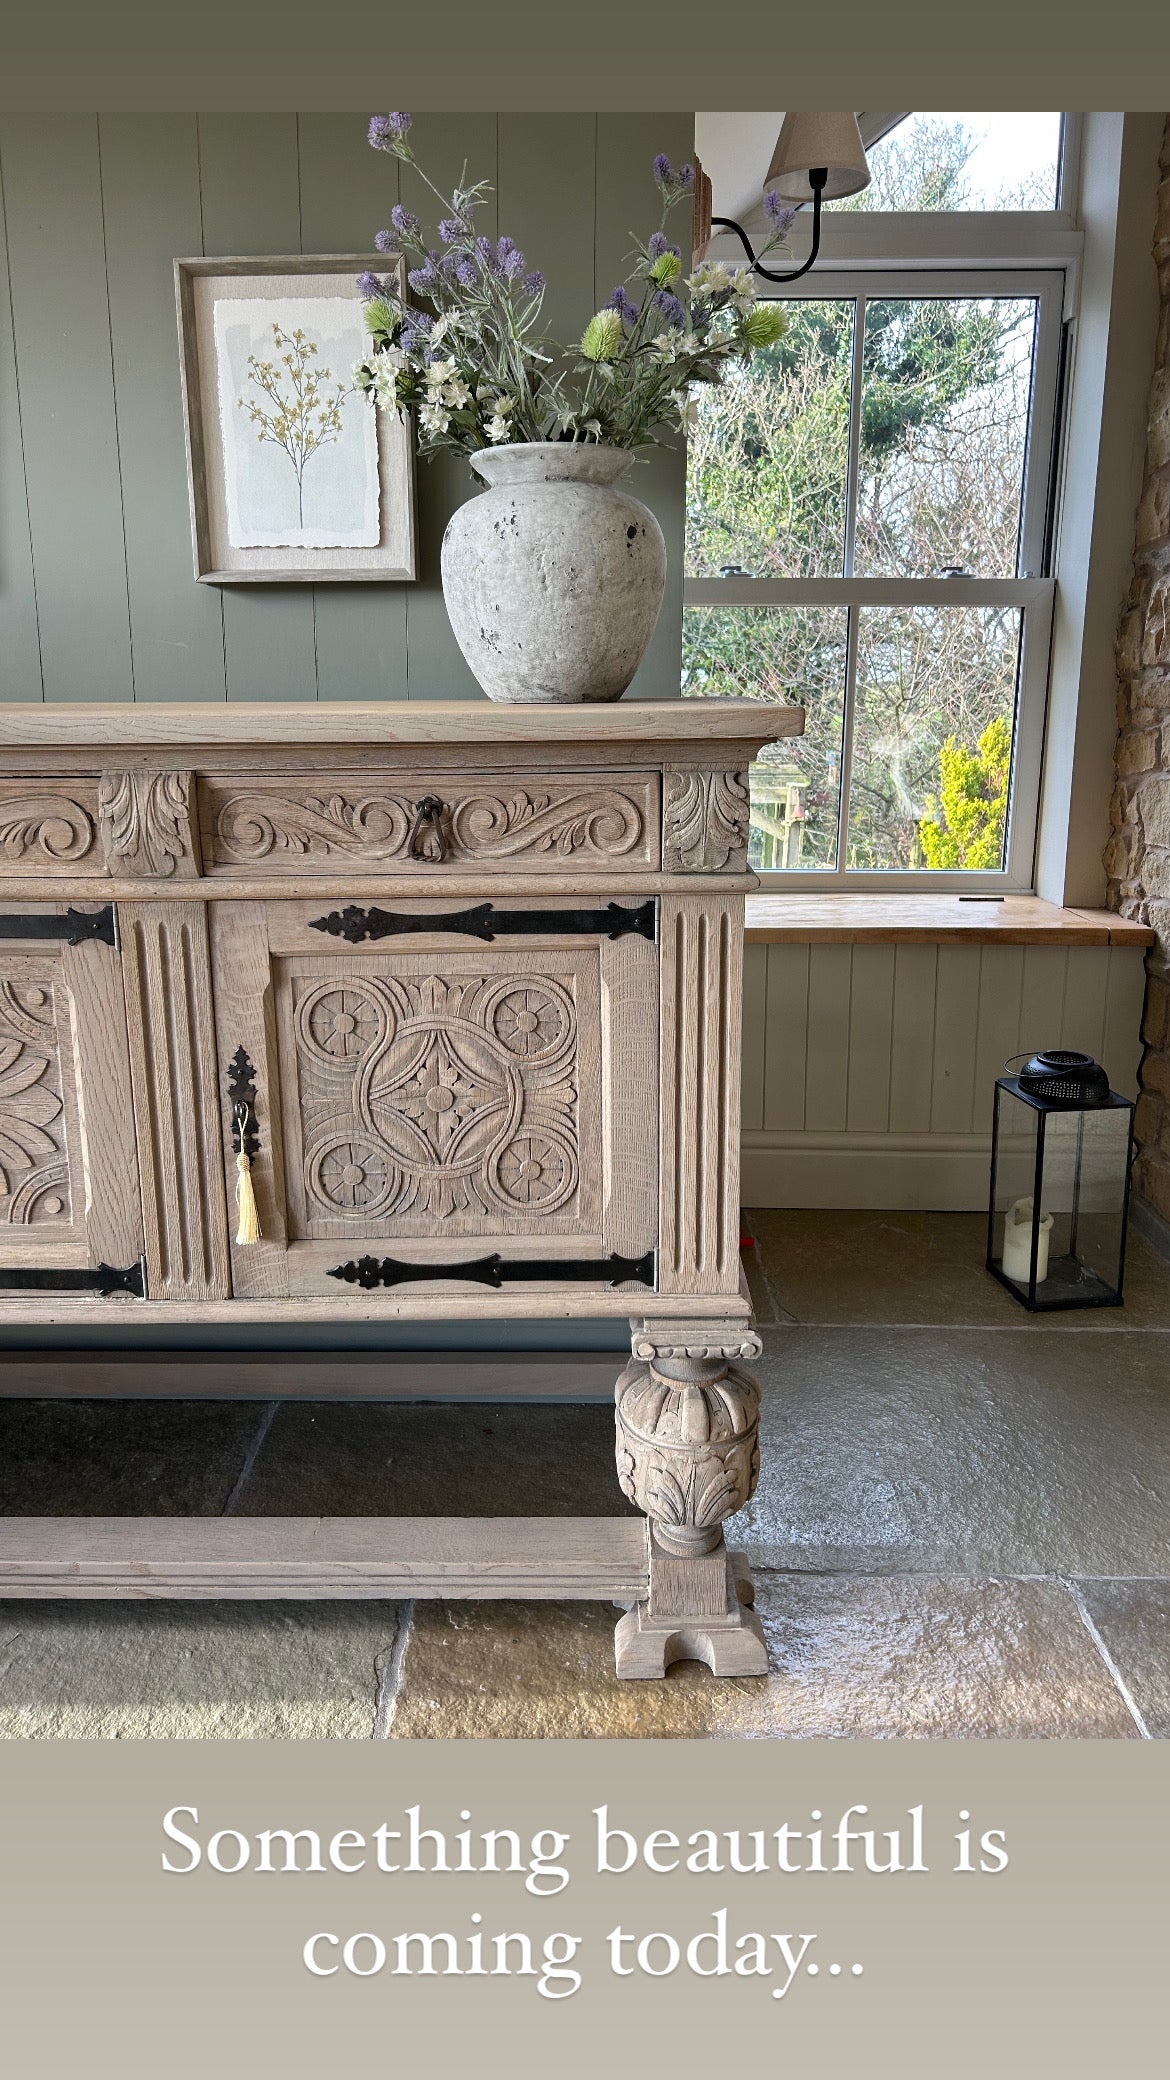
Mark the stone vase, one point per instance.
(553, 577)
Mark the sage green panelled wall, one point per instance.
(97, 597)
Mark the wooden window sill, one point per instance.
(942, 920)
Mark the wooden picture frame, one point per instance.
(201, 286)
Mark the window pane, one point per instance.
(932, 737)
(781, 655)
(945, 162)
(944, 435)
(766, 462)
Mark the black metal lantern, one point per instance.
(1061, 1143)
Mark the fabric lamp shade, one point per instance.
(832, 141)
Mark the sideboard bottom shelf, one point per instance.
(616, 1559)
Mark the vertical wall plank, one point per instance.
(1042, 997)
(871, 1021)
(826, 1076)
(1001, 980)
(547, 175)
(912, 1038)
(251, 204)
(1121, 1045)
(20, 648)
(786, 1037)
(956, 1023)
(628, 201)
(435, 666)
(57, 270)
(755, 993)
(150, 191)
(1085, 987)
(347, 193)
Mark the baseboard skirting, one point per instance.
(936, 1173)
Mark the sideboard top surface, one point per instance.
(746, 724)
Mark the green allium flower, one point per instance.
(602, 336)
(764, 325)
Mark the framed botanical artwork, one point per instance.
(293, 477)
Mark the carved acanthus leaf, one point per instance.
(705, 817)
(146, 826)
(687, 1444)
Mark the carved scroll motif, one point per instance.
(439, 1098)
(687, 1445)
(254, 825)
(146, 825)
(704, 821)
(34, 1172)
(43, 828)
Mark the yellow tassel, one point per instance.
(249, 1228)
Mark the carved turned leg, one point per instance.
(688, 1455)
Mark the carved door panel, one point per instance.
(69, 1200)
(435, 1100)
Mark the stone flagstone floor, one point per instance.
(962, 1530)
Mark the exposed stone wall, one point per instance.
(1137, 857)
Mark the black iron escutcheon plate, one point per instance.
(241, 1090)
(484, 921)
(371, 1272)
(103, 1279)
(75, 927)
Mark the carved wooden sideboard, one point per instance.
(461, 983)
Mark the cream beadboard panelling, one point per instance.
(97, 596)
(868, 1069)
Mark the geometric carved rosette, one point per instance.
(687, 1445)
(451, 1099)
(34, 1170)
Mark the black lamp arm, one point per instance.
(817, 177)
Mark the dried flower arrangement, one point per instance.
(470, 362)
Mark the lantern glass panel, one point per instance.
(1063, 1173)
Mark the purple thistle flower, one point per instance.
(465, 273)
(451, 230)
(621, 301)
(380, 133)
(511, 263)
(663, 171)
(534, 282)
(658, 245)
(423, 279)
(685, 177)
(385, 241)
(368, 286)
(670, 309)
(778, 213)
(399, 121)
(404, 221)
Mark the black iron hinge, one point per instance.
(103, 1279)
(370, 1272)
(484, 921)
(75, 927)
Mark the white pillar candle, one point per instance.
(1017, 1243)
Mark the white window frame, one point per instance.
(867, 256)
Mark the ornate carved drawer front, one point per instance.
(505, 821)
(69, 1199)
(440, 1100)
